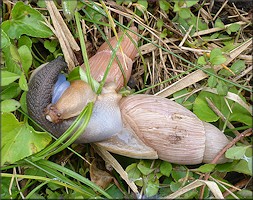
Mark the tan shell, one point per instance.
(99, 62)
(174, 132)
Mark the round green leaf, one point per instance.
(201, 108)
(5, 40)
(234, 27)
(236, 152)
(152, 186)
(201, 60)
(159, 23)
(144, 167)
(216, 57)
(8, 77)
(9, 105)
(206, 168)
(185, 13)
(19, 140)
(134, 174)
(69, 8)
(164, 5)
(26, 57)
(165, 168)
(23, 102)
(25, 40)
(212, 81)
(10, 91)
(219, 24)
(23, 83)
(222, 88)
(26, 20)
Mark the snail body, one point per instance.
(139, 126)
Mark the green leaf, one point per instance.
(216, 57)
(51, 46)
(179, 93)
(41, 3)
(93, 13)
(152, 186)
(233, 27)
(10, 61)
(236, 67)
(14, 53)
(23, 102)
(25, 40)
(23, 83)
(212, 81)
(144, 167)
(10, 91)
(164, 5)
(5, 40)
(191, 3)
(9, 105)
(165, 168)
(26, 57)
(142, 5)
(205, 113)
(243, 167)
(201, 108)
(222, 88)
(175, 186)
(185, 13)
(69, 8)
(244, 194)
(17, 134)
(134, 174)
(219, 24)
(159, 23)
(8, 77)
(201, 60)
(115, 192)
(236, 152)
(164, 33)
(25, 20)
(206, 168)
(178, 173)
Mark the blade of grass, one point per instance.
(27, 116)
(64, 136)
(60, 177)
(83, 48)
(73, 175)
(40, 178)
(80, 130)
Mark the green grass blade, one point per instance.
(73, 175)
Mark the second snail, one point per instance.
(138, 126)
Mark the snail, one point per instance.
(138, 126)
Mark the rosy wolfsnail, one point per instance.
(139, 126)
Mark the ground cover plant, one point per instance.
(196, 52)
